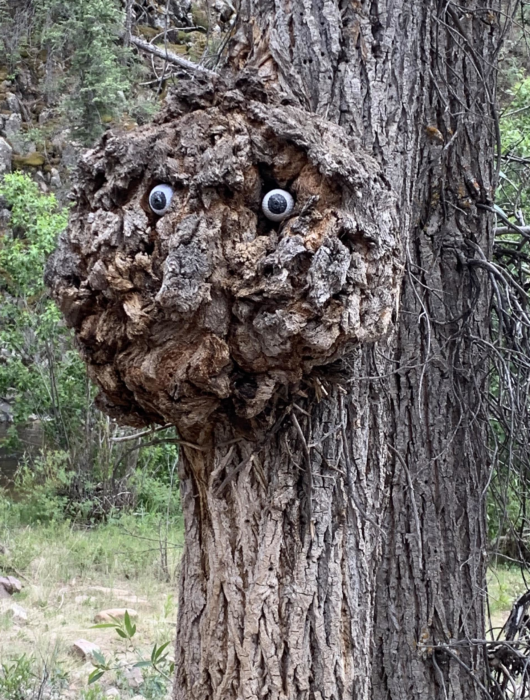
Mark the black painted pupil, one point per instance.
(158, 200)
(277, 204)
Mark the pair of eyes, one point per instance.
(276, 205)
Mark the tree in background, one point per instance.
(327, 374)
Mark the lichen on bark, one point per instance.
(210, 308)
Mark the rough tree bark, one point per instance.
(325, 374)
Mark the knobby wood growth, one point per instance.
(325, 373)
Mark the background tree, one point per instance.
(333, 429)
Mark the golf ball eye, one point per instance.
(277, 205)
(160, 199)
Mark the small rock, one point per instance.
(11, 584)
(70, 153)
(112, 693)
(4, 595)
(6, 153)
(18, 613)
(55, 179)
(84, 648)
(47, 115)
(114, 614)
(13, 125)
(12, 103)
(134, 677)
(6, 412)
(16, 586)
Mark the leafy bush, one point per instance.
(86, 469)
(16, 679)
(35, 347)
(89, 71)
(516, 119)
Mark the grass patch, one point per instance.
(128, 547)
(71, 573)
(505, 585)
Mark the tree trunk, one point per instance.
(327, 559)
(283, 540)
(326, 376)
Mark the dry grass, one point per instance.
(69, 576)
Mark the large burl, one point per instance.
(210, 306)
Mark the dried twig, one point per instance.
(143, 433)
(171, 57)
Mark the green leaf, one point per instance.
(95, 676)
(157, 651)
(143, 664)
(129, 627)
(99, 658)
(122, 634)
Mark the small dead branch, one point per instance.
(143, 433)
(171, 57)
(502, 230)
(307, 455)
(507, 674)
(235, 471)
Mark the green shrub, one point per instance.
(157, 671)
(89, 71)
(16, 679)
(83, 473)
(39, 367)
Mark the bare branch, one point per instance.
(171, 57)
(143, 433)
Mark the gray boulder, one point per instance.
(6, 153)
(13, 125)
